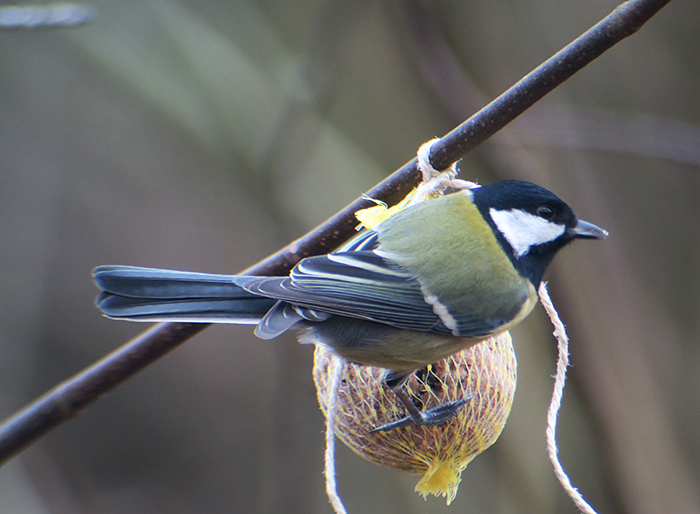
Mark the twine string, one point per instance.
(555, 404)
(336, 372)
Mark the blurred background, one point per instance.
(204, 135)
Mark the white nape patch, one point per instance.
(442, 312)
(524, 230)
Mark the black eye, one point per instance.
(545, 212)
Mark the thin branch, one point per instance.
(624, 21)
(69, 398)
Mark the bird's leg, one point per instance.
(396, 381)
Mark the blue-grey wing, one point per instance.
(356, 284)
(367, 240)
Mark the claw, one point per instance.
(430, 417)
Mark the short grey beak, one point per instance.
(585, 230)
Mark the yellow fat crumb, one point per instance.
(441, 479)
(373, 216)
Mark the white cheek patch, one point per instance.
(524, 230)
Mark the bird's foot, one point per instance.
(430, 417)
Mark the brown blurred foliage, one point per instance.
(205, 135)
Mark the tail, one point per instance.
(145, 294)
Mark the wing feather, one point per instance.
(361, 284)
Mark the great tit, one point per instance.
(432, 280)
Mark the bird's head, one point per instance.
(531, 223)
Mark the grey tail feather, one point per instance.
(147, 294)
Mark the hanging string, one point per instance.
(336, 372)
(555, 404)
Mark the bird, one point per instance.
(432, 280)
